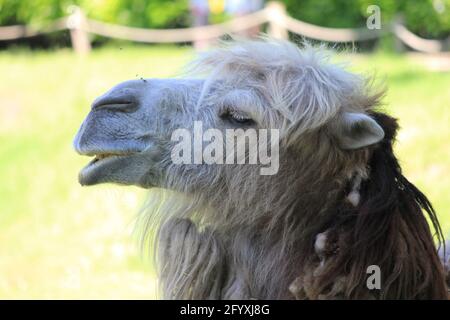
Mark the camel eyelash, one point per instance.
(236, 117)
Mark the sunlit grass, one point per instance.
(59, 240)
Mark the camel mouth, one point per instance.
(98, 158)
(98, 165)
(102, 156)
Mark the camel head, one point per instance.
(256, 85)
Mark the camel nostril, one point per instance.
(124, 103)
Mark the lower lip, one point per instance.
(95, 164)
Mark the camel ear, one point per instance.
(357, 130)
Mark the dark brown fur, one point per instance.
(388, 229)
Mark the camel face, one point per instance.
(129, 127)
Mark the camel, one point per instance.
(337, 207)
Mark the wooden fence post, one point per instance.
(77, 25)
(276, 16)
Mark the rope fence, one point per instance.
(18, 32)
(274, 14)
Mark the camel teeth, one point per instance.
(103, 156)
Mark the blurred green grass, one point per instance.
(59, 240)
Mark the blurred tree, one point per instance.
(34, 12)
(430, 18)
(427, 18)
(138, 13)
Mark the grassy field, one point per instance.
(59, 240)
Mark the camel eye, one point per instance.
(236, 117)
